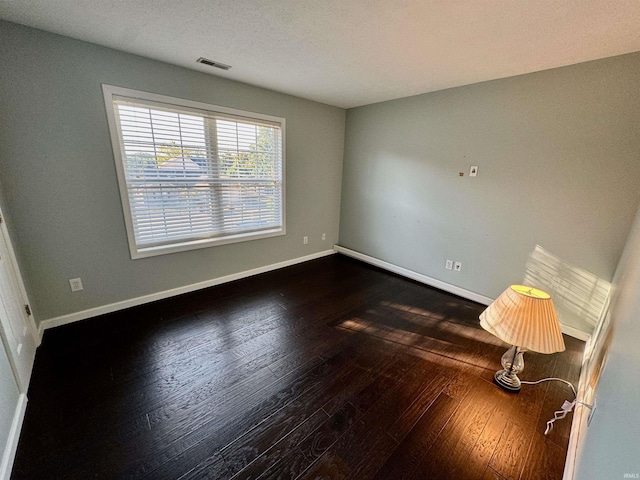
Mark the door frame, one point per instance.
(23, 298)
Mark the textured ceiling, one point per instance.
(349, 52)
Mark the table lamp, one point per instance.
(525, 318)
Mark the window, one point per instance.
(193, 175)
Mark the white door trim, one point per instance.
(33, 330)
(12, 441)
(16, 322)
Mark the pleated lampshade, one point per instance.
(524, 317)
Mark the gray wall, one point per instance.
(610, 447)
(59, 178)
(559, 165)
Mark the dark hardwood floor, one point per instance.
(327, 369)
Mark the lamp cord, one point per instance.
(513, 360)
(566, 406)
(553, 378)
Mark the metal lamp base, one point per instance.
(508, 381)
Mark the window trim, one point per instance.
(109, 91)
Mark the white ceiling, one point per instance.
(349, 52)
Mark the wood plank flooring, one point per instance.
(327, 369)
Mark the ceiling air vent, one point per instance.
(211, 63)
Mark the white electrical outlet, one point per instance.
(324, 236)
(449, 265)
(75, 284)
(305, 240)
(473, 172)
(457, 266)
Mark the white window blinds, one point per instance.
(194, 175)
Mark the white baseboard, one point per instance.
(132, 302)
(113, 307)
(9, 453)
(432, 282)
(574, 332)
(580, 421)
